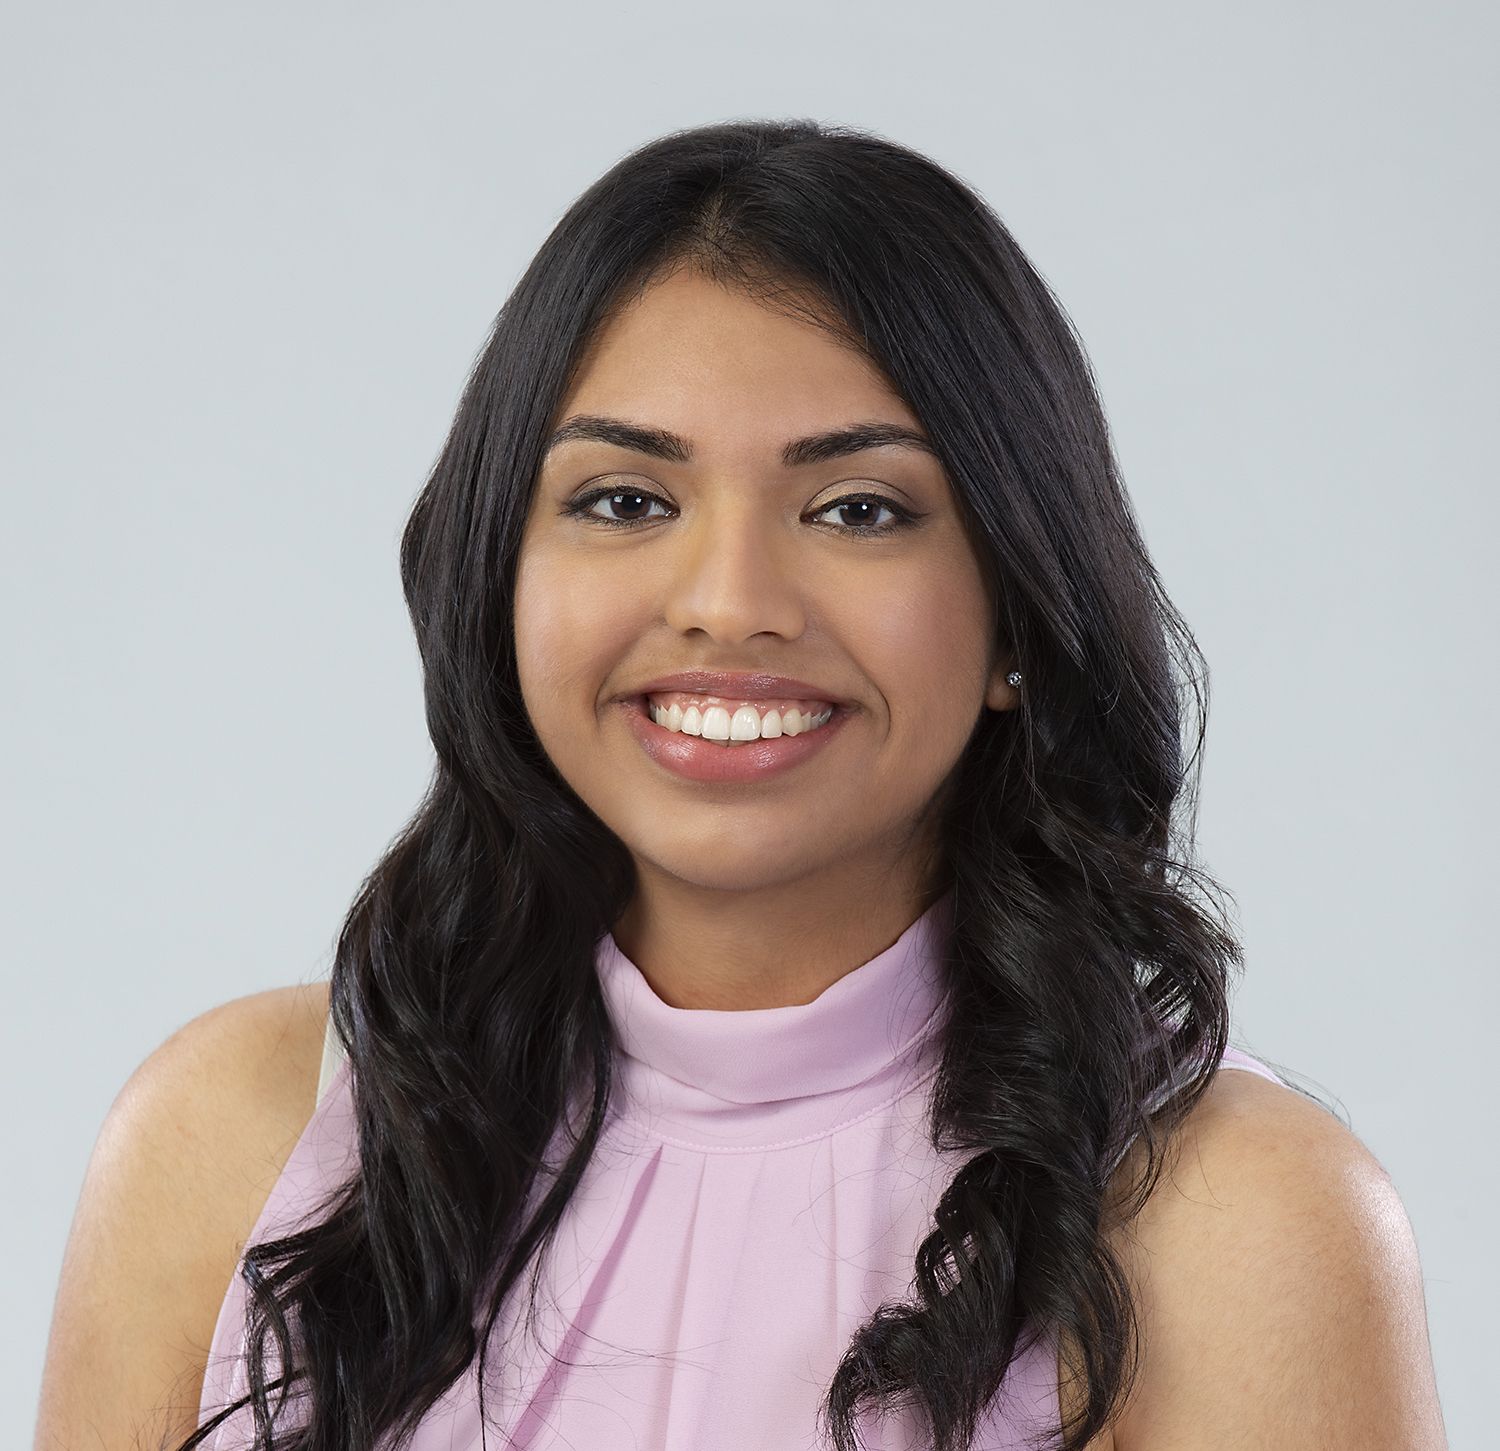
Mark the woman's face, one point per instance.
(740, 532)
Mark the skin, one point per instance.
(1278, 1289)
(183, 1167)
(754, 895)
(1274, 1270)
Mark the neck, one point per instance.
(771, 946)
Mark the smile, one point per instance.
(733, 723)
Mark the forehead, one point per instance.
(691, 354)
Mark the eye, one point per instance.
(866, 513)
(621, 506)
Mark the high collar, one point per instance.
(853, 1031)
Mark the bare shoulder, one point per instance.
(1278, 1286)
(182, 1168)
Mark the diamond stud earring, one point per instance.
(1014, 680)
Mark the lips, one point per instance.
(716, 727)
(737, 685)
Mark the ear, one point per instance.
(1000, 694)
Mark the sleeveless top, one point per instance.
(761, 1188)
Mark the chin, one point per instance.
(727, 869)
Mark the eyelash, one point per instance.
(901, 518)
(581, 508)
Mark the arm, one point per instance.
(1279, 1292)
(184, 1164)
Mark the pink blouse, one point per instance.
(762, 1187)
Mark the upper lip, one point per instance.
(738, 686)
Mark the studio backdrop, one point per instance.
(251, 251)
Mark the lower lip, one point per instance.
(698, 760)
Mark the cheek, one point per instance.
(930, 648)
(564, 642)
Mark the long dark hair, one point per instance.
(1086, 966)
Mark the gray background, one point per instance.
(250, 252)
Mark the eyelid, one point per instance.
(618, 481)
(602, 485)
(857, 488)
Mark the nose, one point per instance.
(735, 579)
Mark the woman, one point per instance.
(792, 1013)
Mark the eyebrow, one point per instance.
(840, 442)
(656, 442)
(817, 448)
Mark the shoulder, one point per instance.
(247, 1068)
(1278, 1287)
(183, 1166)
(211, 1116)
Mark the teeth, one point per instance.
(744, 723)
